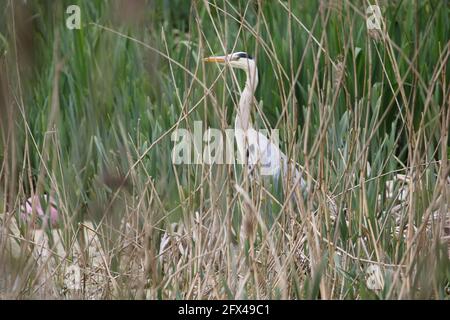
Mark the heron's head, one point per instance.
(239, 60)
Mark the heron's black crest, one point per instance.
(244, 55)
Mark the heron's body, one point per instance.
(255, 149)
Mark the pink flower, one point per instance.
(42, 208)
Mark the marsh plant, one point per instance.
(92, 205)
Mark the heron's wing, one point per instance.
(263, 153)
(272, 160)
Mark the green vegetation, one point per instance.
(86, 116)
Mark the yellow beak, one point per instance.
(215, 59)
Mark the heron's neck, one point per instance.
(245, 102)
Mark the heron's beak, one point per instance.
(219, 59)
